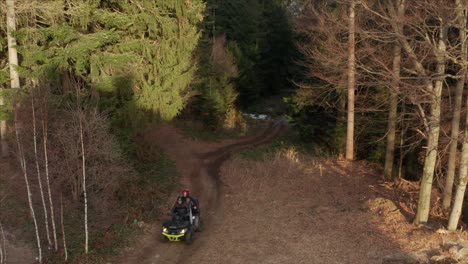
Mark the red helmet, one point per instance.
(186, 193)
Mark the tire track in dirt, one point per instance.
(207, 177)
(204, 182)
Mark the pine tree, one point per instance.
(148, 44)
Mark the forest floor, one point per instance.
(280, 207)
(287, 208)
(18, 252)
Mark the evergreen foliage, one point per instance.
(217, 104)
(140, 49)
(260, 38)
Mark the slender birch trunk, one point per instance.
(463, 179)
(2, 246)
(3, 130)
(22, 160)
(393, 103)
(65, 250)
(38, 171)
(351, 82)
(13, 64)
(12, 52)
(46, 161)
(424, 202)
(457, 109)
(83, 158)
(463, 173)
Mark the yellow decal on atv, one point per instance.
(173, 237)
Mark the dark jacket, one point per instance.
(181, 210)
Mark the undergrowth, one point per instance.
(197, 131)
(290, 140)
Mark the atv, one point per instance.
(182, 228)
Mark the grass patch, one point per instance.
(196, 131)
(290, 140)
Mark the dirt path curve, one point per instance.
(199, 165)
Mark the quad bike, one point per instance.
(182, 227)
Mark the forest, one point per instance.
(109, 107)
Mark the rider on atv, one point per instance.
(194, 205)
(181, 209)
(192, 201)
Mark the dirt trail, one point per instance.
(199, 164)
(288, 208)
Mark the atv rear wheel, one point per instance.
(189, 237)
(199, 226)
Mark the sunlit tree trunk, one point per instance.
(351, 82)
(13, 64)
(424, 202)
(12, 52)
(456, 111)
(463, 173)
(22, 160)
(3, 130)
(3, 257)
(38, 170)
(463, 178)
(83, 158)
(393, 103)
(83, 167)
(45, 137)
(64, 240)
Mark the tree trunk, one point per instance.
(456, 111)
(3, 247)
(2, 258)
(12, 52)
(13, 63)
(351, 82)
(83, 158)
(22, 161)
(463, 178)
(393, 103)
(3, 130)
(45, 132)
(38, 171)
(402, 141)
(64, 240)
(424, 202)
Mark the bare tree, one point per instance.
(393, 102)
(462, 13)
(421, 30)
(422, 214)
(45, 137)
(432, 87)
(462, 180)
(83, 159)
(65, 250)
(351, 81)
(22, 160)
(38, 169)
(3, 257)
(13, 64)
(12, 51)
(3, 130)
(328, 43)
(463, 61)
